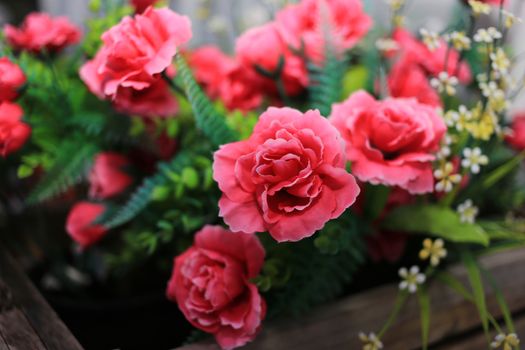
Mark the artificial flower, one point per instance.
(13, 131)
(433, 250)
(411, 279)
(467, 212)
(108, 177)
(81, 224)
(12, 79)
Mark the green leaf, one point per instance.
(208, 119)
(501, 230)
(190, 177)
(69, 168)
(507, 316)
(376, 198)
(424, 307)
(354, 79)
(454, 284)
(478, 291)
(499, 173)
(24, 171)
(435, 220)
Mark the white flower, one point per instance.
(468, 211)
(430, 39)
(433, 250)
(459, 40)
(500, 61)
(445, 83)
(446, 178)
(473, 158)
(505, 342)
(411, 279)
(511, 19)
(487, 35)
(479, 7)
(387, 45)
(370, 341)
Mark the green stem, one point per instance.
(500, 172)
(401, 299)
(172, 84)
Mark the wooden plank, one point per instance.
(336, 326)
(478, 340)
(17, 332)
(25, 298)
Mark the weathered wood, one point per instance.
(336, 326)
(25, 315)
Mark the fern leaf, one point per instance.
(326, 82)
(140, 199)
(69, 168)
(207, 118)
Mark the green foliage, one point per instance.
(207, 118)
(478, 290)
(504, 230)
(326, 82)
(354, 79)
(424, 307)
(143, 194)
(68, 169)
(436, 220)
(313, 277)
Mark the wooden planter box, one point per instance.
(27, 322)
(454, 324)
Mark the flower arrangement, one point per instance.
(268, 177)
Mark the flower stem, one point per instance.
(401, 299)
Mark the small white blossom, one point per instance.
(430, 39)
(500, 61)
(459, 40)
(467, 211)
(446, 178)
(370, 341)
(473, 158)
(505, 342)
(479, 7)
(445, 83)
(487, 35)
(433, 250)
(411, 279)
(510, 19)
(386, 45)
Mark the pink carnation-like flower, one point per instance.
(390, 142)
(416, 53)
(288, 178)
(211, 284)
(224, 78)
(307, 22)
(11, 80)
(264, 47)
(41, 32)
(13, 132)
(409, 80)
(157, 100)
(80, 223)
(141, 5)
(516, 138)
(107, 177)
(135, 52)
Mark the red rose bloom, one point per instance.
(288, 178)
(141, 5)
(11, 80)
(107, 177)
(517, 136)
(13, 132)
(306, 22)
(135, 52)
(41, 32)
(80, 223)
(390, 142)
(264, 47)
(211, 284)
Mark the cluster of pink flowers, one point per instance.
(135, 54)
(280, 49)
(13, 131)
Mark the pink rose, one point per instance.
(517, 136)
(288, 178)
(210, 65)
(224, 78)
(141, 5)
(11, 80)
(305, 23)
(107, 177)
(390, 142)
(80, 223)
(136, 51)
(41, 32)
(211, 284)
(156, 100)
(263, 46)
(13, 132)
(433, 62)
(409, 80)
